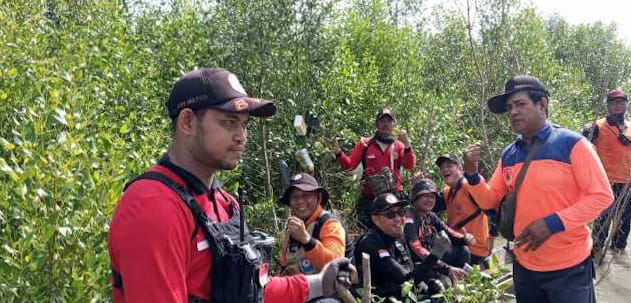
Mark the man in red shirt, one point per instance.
(158, 253)
(381, 151)
(612, 138)
(564, 188)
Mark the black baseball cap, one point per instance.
(422, 186)
(497, 104)
(447, 158)
(215, 88)
(384, 202)
(304, 182)
(385, 112)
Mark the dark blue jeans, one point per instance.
(570, 285)
(622, 210)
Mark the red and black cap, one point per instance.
(215, 88)
(304, 182)
(617, 93)
(497, 104)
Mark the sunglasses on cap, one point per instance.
(392, 214)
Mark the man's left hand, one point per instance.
(534, 235)
(403, 137)
(297, 230)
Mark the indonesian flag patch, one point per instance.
(383, 253)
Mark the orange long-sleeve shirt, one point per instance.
(615, 156)
(458, 209)
(565, 184)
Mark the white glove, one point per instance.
(336, 271)
(469, 239)
(442, 244)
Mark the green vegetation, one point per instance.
(83, 85)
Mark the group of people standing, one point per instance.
(160, 253)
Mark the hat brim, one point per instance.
(253, 106)
(497, 104)
(306, 188)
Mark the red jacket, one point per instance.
(374, 158)
(161, 256)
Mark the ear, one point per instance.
(186, 122)
(544, 104)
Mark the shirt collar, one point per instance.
(192, 182)
(541, 135)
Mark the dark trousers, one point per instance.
(458, 256)
(571, 285)
(621, 209)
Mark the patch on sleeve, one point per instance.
(383, 253)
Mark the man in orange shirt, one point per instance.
(565, 187)
(313, 237)
(463, 212)
(612, 137)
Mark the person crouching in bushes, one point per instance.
(305, 250)
(390, 262)
(421, 228)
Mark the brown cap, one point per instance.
(215, 88)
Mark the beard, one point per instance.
(616, 118)
(208, 158)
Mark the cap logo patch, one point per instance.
(296, 177)
(235, 84)
(391, 199)
(240, 105)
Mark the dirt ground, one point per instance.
(614, 279)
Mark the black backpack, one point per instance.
(237, 260)
(349, 247)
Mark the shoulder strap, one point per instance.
(470, 217)
(198, 213)
(531, 154)
(325, 216)
(370, 142)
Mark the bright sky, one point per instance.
(574, 11)
(590, 11)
